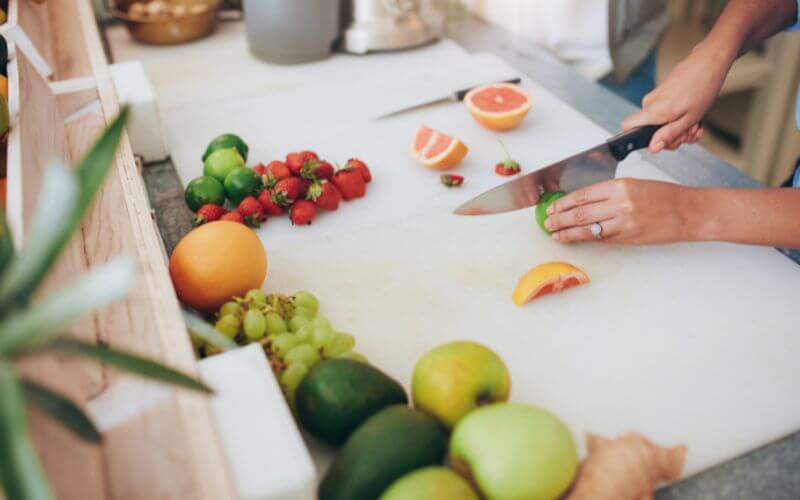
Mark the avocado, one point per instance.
(393, 442)
(338, 395)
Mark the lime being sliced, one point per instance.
(222, 162)
(547, 198)
(227, 141)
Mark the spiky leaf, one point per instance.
(62, 409)
(206, 332)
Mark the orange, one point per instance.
(215, 262)
(547, 278)
(499, 106)
(437, 150)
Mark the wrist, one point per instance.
(701, 220)
(718, 51)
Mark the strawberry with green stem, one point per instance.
(252, 211)
(325, 195)
(350, 183)
(289, 190)
(268, 204)
(317, 170)
(507, 167)
(208, 213)
(302, 213)
(452, 180)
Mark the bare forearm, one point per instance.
(744, 24)
(753, 216)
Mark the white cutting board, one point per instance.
(690, 344)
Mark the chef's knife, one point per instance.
(584, 169)
(454, 97)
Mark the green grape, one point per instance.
(255, 325)
(357, 356)
(342, 343)
(256, 297)
(304, 312)
(322, 324)
(292, 376)
(305, 334)
(321, 338)
(275, 324)
(283, 343)
(231, 308)
(298, 322)
(303, 353)
(228, 325)
(306, 301)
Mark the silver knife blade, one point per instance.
(450, 98)
(594, 165)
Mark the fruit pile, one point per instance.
(294, 336)
(300, 186)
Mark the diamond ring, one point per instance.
(597, 230)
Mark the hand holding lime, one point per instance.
(547, 198)
(203, 190)
(227, 141)
(241, 183)
(222, 162)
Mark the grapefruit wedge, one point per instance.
(437, 150)
(499, 106)
(547, 278)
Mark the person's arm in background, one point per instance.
(685, 96)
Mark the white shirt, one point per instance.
(574, 30)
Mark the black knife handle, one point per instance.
(623, 144)
(463, 92)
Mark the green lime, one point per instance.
(241, 183)
(204, 190)
(227, 141)
(547, 198)
(4, 118)
(222, 162)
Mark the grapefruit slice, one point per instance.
(499, 106)
(547, 278)
(436, 150)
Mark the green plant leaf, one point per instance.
(61, 409)
(207, 332)
(57, 200)
(90, 174)
(128, 362)
(20, 473)
(33, 326)
(6, 244)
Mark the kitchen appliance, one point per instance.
(385, 25)
(592, 166)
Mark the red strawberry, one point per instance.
(276, 170)
(507, 168)
(362, 168)
(350, 183)
(452, 180)
(208, 213)
(325, 195)
(233, 217)
(252, 211)
(269, 206)
(295, 161)
(302, 213)
(290, 189)
(260, 169)
(317, 170)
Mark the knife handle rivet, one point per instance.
(630, 146)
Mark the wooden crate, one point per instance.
(158, 442)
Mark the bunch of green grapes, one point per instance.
(289, 327)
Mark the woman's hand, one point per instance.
(682, 100)
(630, 211)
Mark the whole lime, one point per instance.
(241, 183)
(547, 198)
(227, 141)
(222, 162)
(204, 190)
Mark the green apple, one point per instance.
(515, 451)
(453, 379)
(430, 483)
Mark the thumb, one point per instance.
(639, 119)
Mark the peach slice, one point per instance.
(547, 278)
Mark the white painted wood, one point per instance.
(267, 455)
(687, 344)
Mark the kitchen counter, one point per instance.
(770, 472)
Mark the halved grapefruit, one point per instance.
(499, 106)
(437, 150)
(547, 278)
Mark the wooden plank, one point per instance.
(66, 36)
(175, 441)
(34, 19)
